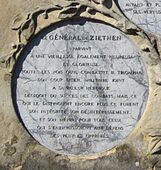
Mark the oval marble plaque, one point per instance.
(80, 87)
(145, 13)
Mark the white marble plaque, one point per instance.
(145, 13)
(80, 87)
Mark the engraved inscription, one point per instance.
(80, 87)
(145, 13)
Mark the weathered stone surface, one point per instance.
(78, 89)
(145, 138)
(145, 13)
